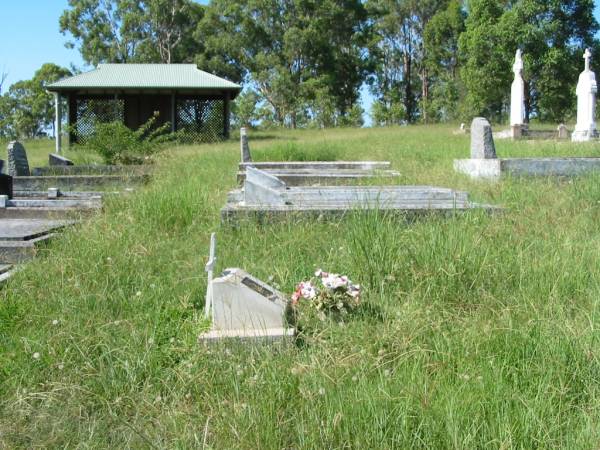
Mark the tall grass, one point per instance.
(476, 330)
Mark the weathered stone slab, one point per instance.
(244, 146)
(28, 229)
(75, 182)
(59, 160)
(92, 169)
(318, 165)
(494, 169)
(479, 168)
(482, 140)
(304, 177)
(18, 165)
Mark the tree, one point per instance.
(442, 63)
(28, 106)
(399, 52)
(552, 35)
(121, 31)
(288, 50)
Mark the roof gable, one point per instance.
(144, 76)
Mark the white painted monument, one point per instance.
(586, 103)
(517, 93)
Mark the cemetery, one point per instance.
(399, 249)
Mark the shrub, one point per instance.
(117, 144)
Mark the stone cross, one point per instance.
(18, 166)
(210, 267)
(482, 140)
(587, 56)
(587, 88)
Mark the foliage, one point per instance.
(117, 144)
(27, 109)
(121, 31)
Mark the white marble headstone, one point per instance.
(517, 93)
(586, 103)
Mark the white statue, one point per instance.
(586, 103)
(517, 93)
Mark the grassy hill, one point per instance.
(476, 331)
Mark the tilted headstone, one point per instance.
(244, 146)
(18, 166)
(2, 164)
(262, 188)
(58, 160)
(242, 302)
(517, 96)
(587, 89)
(482, 139)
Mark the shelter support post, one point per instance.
(58, 125)
(226, 114)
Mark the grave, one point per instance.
(484, 163)
(300, 173)
(266, 196)
(519, 129)
(59, 160)
(243, 307)
(585, 130)
(19, 238)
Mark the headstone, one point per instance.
(58, 160)
(262, 188)
(563, 132)
(241, 301)
(209, 268)
(2, 163)
(244, 146)
(517, 96)
(6, 185)
(53, 192)
(586, 103)
(18, 166)
(482, 140)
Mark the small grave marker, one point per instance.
(244, 146)
(210, 267)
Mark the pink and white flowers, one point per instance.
(328, 292)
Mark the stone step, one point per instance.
(303, 177)
(17, 252)
(75, 182)
(45, 213)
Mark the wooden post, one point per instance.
(58, 126)
(72, 118)
(226, 115)
(173, 113)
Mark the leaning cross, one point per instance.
(210, 267)
(587, 56)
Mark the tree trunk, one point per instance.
(408, 103)
(424, 92)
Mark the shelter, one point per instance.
(181, 94)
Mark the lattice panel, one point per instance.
(202, 119)
(90, 112)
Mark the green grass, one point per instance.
(477, 331)
(39, 149)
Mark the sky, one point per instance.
(31, 38)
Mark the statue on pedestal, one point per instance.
(586, 103)
(517, 93)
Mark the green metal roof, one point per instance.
(144, 76)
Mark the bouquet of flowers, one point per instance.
(328, 293)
